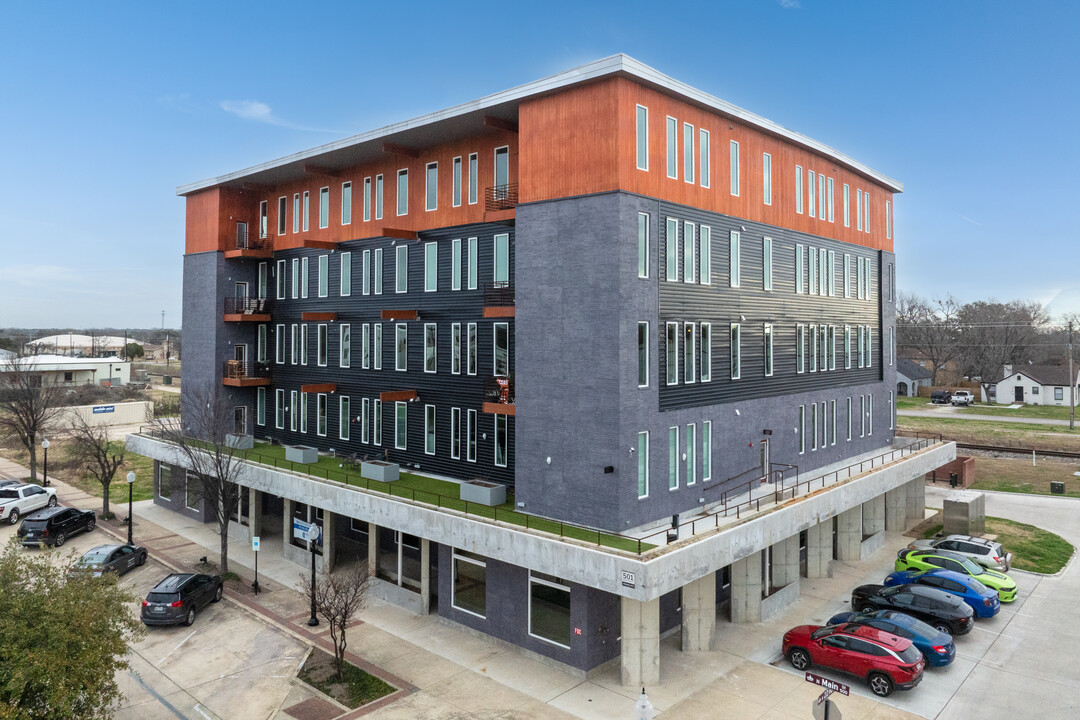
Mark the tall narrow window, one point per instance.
(691, 454)
(365, 346)
(642, 137)
(768, 349)
(706, 451)
(847, 275)
(766, 178)
(799, 280)
(847, 347)
(734, 168)
(672, 147)
(471, 354)
(367, 199)
(365, 420)
(401, 273)
(431, 188)
(890, 409)
(735, 258)
(295, 278)
(296, 212)
(689, 353)
(429, 429)
(401, 347)
(643, 464)
(502, 260)
(736, 351)
(322, 343)
(832, 425)
(456, 198)
(847, 205)
(502, 439)
(813, 348)
(502, 167)
(888, 220)
(501, 344)
(260, 405)
(455, 433)
(431, 267)
(832, 274)
(324, 275)
(402, 192)
(279, 345)
(279, 409)
(673, 458)
(688, 152)
(345, 284)
(378, 197)
(689, 252)
(866, 210)
(705, 331)
(849, 419)
(766, 263)
(376, 421)
(862, 345)
(264, 219)
(705, 254)
(307, 209)
(832, 347)
(800, 348)
(823, 277)
(282, 210)
(811, 182)
(643, 245)
(470, 436)
(455, 348)
(474, 180)
(378, 270)
(671, 353)
(802, 429)
(869, 414)
(705, 163)
(304, 411)
(324, 207)
(431, 337)
(401, 425)
(473, 262)
(812, 257)
(376, 347)
(344, 410)
(643, 354)
(295, 409)
(889, 349)
(832, 214)
(365, 266)
(344, 345)
(262, 289)
(455, 265)
(671, 242)
(821, 196)
(798, 189)
(260, 353)
(813, 426)
(858, 209)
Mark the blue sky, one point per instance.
(106, 107)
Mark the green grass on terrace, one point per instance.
(440, 493)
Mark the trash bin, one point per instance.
(954, 479)
(1057, 487)
(167, 380)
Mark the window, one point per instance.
(832, 426)
(706, 170)
(192, 491)
(892, 282)
(549, 609)
(706, 451)
(473, 270)
(378, 268)
(294, 406)
(264, 228)
(890, 349)
(847, 209)
(402, 192)
(501, 439)
(801, 429)
(279, 345)
(798, 189)
(321, 343)
(346, 274)
(401, 347)
(673, 458)
(734, 257)
(813, 348)
(401, 422)
(689, 353)
(431, 267)
(643, 245)
(869, 414)
(474, 180)
(165, 479)
(470, 584)
(367, 199)
(813, 426)
(1057, 396)
(812, 191)
(862, 346)
(766, 263)
(706, 351)
(799, 261)
(455, 433)
(307, 209)
(736, 352)
(279, 409)
(365, 347)
(672, 148)
(365, 280)
(866, 210)
(294, 345)
(344, 418)
(643, 354)
(502, 166)
(800, 348)
(847, 347)
(429, 429)
(812, 257)
(849, 419)
(282, 207)
(260, 345)
(455, 265)
(431, 332)
(689, 252)
(832, 273)
(377, 347)
(766, 178)
(643, 464)
(260, 405)
(832, 347)
(324, 273)
(431, 196)
(734, 168)
(847, 275)
(377, 420)
(455, 348)
(378, 197)
(688, 152)
(402, 269)
(691, 457)
(672, 353)
(823, 273)
(345, 349)
(1035, 390)
(768, 349)
(858, 209)
(642, 137)
(279, 280)
(502, 349)
(456, 198)
(324, 207)
(671, 241)
(869, 346)
(296, 278)
(704, 259)
(472, 354)
(832, 215)
(502, 260)
(888, 220)
(470, 438)
(862, 415)
(821, 196)
(824, 339)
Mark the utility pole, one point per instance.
(1072, 382)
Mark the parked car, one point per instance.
(982, 600)
(962, 397)
(178, 598)
(942, 611)
(19, 500)
(987, 553)
(54, 525)
(930, 559)
(941, 397)
(885, 661)
(9, 483)
(110, 558)
(937, 648)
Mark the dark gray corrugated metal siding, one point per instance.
(752, 306)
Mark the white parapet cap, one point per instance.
(456, 121)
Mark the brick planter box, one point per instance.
(380, 471)
(301, 454)
(483, 492)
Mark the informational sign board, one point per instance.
(255, 543)
(99, 409)
(628, 579)
(305, 531)
(830, 685)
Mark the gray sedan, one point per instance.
(987, 553)
(110, 558)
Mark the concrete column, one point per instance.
(372, 549)
(849, 534)
(640, 642)
(896, 501)
(785, 562)
(916, 500)
(286, 523)
(873, 515)
(819, 550)
(746, 589)
(255, 519)
(699, 614)
(425, 576)
(329, 544)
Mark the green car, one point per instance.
(929, 559)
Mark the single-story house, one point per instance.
(910, 376)
(70, 371)
(75, 345)
(1036, 385)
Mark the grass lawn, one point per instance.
(1007, 475)
(144, 479)
(1051, 412)
(988, 432)
(355, 689)
(912, 403)
(1033, 548)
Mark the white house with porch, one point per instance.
(1035, 385)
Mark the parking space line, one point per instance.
(157, 696)
(199, 710)
(175, 648)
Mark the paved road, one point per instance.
(993, 418)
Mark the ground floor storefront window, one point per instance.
(549, 609)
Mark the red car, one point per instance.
(884, 660)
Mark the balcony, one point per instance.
(499, 299)
(499, 395)
(247, 309)
(250, 246)
(501, 197)
(244, 373)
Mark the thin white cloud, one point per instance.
(257, 111)
(790, 4)
(966, 218)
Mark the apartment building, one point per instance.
(652, 318)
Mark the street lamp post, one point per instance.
(313, 536)
(45, 467)
(131, 517)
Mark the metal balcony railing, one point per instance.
(499, 390)
(501, 197)
(244, 370)
(246, 240)
(248, 305)
(499, 293)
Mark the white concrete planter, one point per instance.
(380, 471)
(485, 493)
(301, 454)
(240, 442)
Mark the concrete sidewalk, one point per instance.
(950, 415)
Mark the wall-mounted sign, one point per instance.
(628, 579)
(98, 409)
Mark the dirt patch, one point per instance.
(923, 529)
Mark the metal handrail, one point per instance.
(499, 293)
(244, 369)
(248, 305)
(501, 197)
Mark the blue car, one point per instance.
(982, 599)
(936, 647)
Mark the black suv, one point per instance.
(178, 597)
(53, 526)
(943, 611)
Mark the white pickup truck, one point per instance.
(20, 500)
(962, 397)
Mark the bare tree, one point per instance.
(929, 327)
(339, 597)
(29, 404)
(202, 438)
(96, 455)
(994, 334)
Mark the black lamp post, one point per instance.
(131, 518)
(313, 535)
(45, 467)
